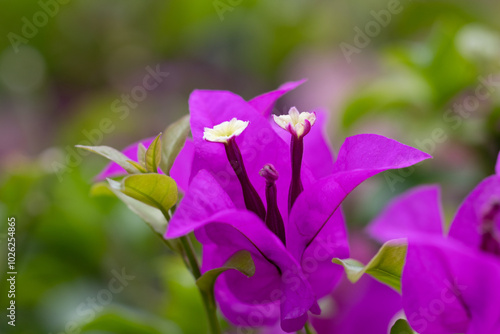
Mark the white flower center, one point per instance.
(296, 123)
(224, 131)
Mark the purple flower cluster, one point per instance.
(270, 186)
(451, 280)
(300, 228)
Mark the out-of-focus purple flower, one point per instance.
(239, 159)
(418, 211)
(448, 287)
(449, 283)
(365, 307)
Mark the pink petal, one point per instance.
(415, 211)
(360, 157)
(259, 145)
(264, 103)
(466, 225)
(449, 288)
(181, 169)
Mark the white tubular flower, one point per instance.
(298, 124)
(224, 131)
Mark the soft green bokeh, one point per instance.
(64, 84)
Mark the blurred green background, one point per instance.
(416, 75)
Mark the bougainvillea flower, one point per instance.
(239, 199)
(448, 287)
(418, 211)
(449, 283)
(181, 170)
(365, 307)
(477, 222)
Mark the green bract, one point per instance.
(152, 157)
(150, 196)
(386, 266)
(401, 326)
(172, 142)
(241, 261)
(113, 155)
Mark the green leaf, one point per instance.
(141, 154)
(401, 326)
(152, 216)
(100, 189)
(150, 196)
(115, 319)
(156, 190)
(113, 155)
(173, 140)
(386, 266)
(137, 165)
(241, 261)
(153, 155)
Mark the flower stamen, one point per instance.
(299, 125)
(274, 221)
(226, 133)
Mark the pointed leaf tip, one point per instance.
(152, 157)
(241, 261)
(401, 326)
(172, 142)
(138, 166)
(141, 154)
(150, 196)
(113, 155)
(386, 266)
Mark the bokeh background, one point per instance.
(66, 66)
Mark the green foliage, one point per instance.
(113, 155)
(141, 154)
(386, 266)
(241, 261)
(152, 157)
(150, 196)
(401, 326)
(156, 190)
(138, 166)
(172, 142)
(127, 321)
(101, 189)
(90, 53)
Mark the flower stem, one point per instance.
(308, 329)
(297, 151)
(188, 255)
(207, 297)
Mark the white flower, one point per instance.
(224, 131)
(298, 124)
